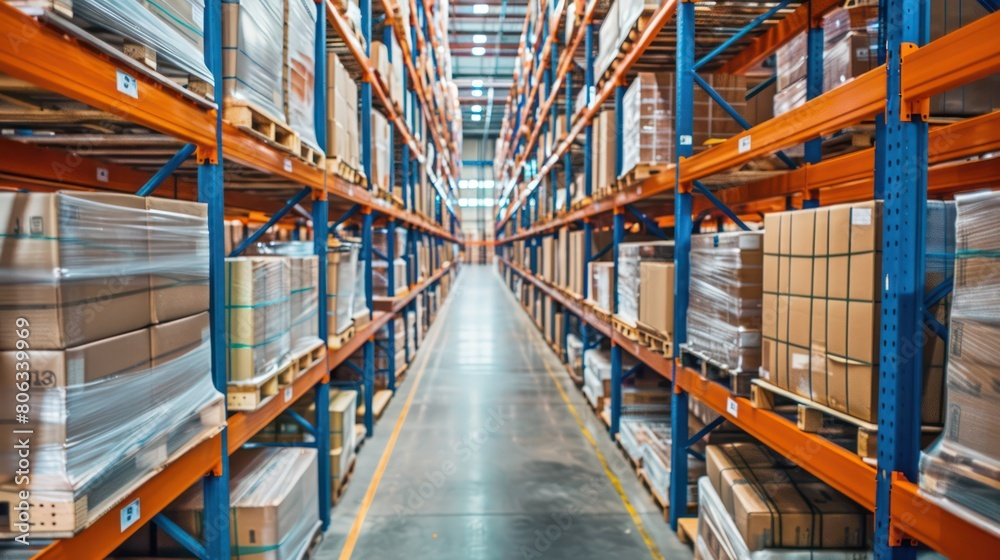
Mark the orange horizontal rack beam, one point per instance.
(923, 520)
(91, 77)
(396, 304)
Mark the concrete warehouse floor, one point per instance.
(487, 450)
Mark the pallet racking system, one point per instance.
(180, 143)
(900, 169)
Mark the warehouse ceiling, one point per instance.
(484, 36)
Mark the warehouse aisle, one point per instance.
(490, 461)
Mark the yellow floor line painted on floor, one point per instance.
(653, 549)
(359, 519)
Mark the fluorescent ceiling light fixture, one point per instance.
(477, 93)
(477, 83)
(481, 9)
(478, 51)
(463, 184)
(487, 184)
(477, 117)
(473, 184)
(478, 39)
(477, 108)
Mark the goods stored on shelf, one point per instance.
(811, 305)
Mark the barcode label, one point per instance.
(745, 144)
(732, 408)
(288, 394)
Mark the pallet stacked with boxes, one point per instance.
(110, 294)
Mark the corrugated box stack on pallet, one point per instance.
(631, 256)
(754, 501)
(648, 117)
(962, 468)
(109, 292)
(274, 505)
(341, 281)
(398, 326)
(258, 322)
(303, 275)
(822, 289)
(724, 316)
(343, 136)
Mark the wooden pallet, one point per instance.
(628, 331)
(635, 463)
(814, 417)
(343, 170)
(315, 541)
(640, 172)
(255, 121)
(602, 314)
(340, 485)
(308, 357)
(337, 341)
(313, 157)
(658, 341)
(251, 396)
(687, 530)
(360, 434)
(738, 380)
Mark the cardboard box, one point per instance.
(258, 316)
(381, 151)
(602, 284)
(73, 293)
(178, 237)
(252, 68)
(656, 296)
(168, 341)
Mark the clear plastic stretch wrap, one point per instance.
(380, 242)
(85, 454)
(724, 317)
(601, 279)
(341, 285)
(258, 316)
(411, 333)
(648, 112)
(719, 537)
(304, 278)
(359, 303)
(961, 468)
(380, 277)
(252, 58)
(574, 353)
(630, 256)
(300, 68)
(821, 300)
(775, 504)
(174, 29)
(274, 504)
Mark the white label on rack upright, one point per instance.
(102, 174)
(130, 514)
(686, 140)
(127, 84)
(288, 394)
(287, 164)
(744, 144)
(732, 408)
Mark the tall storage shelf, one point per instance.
(129, 129)
(696, 189)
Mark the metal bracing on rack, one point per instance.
(912, 72)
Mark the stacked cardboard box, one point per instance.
(753, 500)
(252, 65)
(304, 303)
(630, 257)
(574, 353)
(299, 69)
(342, 269)
(258, 317)
(274, 505)
(648, 116)
(381, 152)
(962, 466)
(655, 442)
(75, 281)
(605, 151)
(601, 278)
(724, 317)
(821, 305)
(343, 138)
(608, 44)
(656, 297)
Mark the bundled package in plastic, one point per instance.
(258, 317)
(961, 467)
(380, 277)
(381, 151)
(630, 257)
(171, 29)
(608, 43)
(252, 58)
(178, 253)
(274, 504)
(304, 304)
(359, 304)
(601, 277)
(656, 463)
(772, 504)
(341, 282)
(574, 353)
(822, 293)
(299, 69)
(726, 294)
(342, 141)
